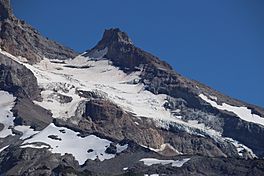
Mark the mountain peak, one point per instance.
(5, 9)
(114, 35)
(118, 47)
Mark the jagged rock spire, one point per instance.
(114, 36)
(118, 47)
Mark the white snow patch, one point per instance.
(26, 130)
(174, 163)
(213, 97)
(7, 102)
(121, 148)
(68, 141)
(136, 123)
(242, 112)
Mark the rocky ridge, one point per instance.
(20, 39)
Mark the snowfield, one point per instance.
(63, 140)
(26, 130)
(242, 112)
(174, 163)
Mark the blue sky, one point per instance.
(217, 42)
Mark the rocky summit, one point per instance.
(114, 109)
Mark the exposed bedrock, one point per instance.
(20, 39)
(21, 82)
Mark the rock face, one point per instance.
(17, 79)
(122, 52)
(20, 39)
(28, 161)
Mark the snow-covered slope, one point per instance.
(86, 74)
(242, 112)
(63, 140)
(6, 104)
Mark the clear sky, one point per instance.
(217, 42)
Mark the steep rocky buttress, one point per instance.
(20, 39)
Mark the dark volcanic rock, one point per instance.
(17, 79)
(30, 114)
(123, 53)
(249, 134)
(21, 82)
(111, 149)
(30, 161)
(54, 137)
(102, 110)
(25, 40)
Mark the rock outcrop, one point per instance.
(20, 39)
(17, 79)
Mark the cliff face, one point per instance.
(20, 39)
(17, 79)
